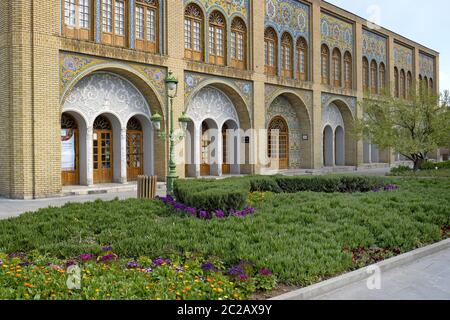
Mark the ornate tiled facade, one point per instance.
(337, 33)
(374, 47)
(48, 70)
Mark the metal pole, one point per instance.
(172, 165)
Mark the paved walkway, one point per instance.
(425, 279)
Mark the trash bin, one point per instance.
(146, 187)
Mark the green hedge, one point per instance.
(231, 193)
(433, 165)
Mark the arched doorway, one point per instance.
(102, 150)
(328, 156)
(69, 151)
(278, 142)
(226, 169)
(135, 149)
(339, 146)
(230, 148)
(208, 148)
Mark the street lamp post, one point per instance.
(172, 90)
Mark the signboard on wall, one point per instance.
(67, 150)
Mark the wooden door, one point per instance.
(69, 151)
(205, 166)
(103, 156)
(135, 155)
(225, 157)
(279, 148)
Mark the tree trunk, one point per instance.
(417, 163)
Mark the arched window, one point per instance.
(408, 85)
(425, 84)
(238, 43)
(302, 59)
(69, 142)
(287, 55)
(217, 38)
(348, 71)
(402, 84)
(135, 149)
(373, 77)
(193, 33)
(270, 51)
(431, 84)
(114, 22)
(78, 19)
(325, 64)
(147, 21)
(396, 83)
(337, 67)
(365, 74)
(278, 142)
(382, 77)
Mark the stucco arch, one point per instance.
(300, 149)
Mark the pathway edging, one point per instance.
(329, 285)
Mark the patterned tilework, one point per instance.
(282, 107)
(72, 65)
(195, 80)
(288, 15)
(426, 66)
(327, 98)
(336, 33)
(403, 57)
(374, 47)
(272, 91)
(230, 7)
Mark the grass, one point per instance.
(302, 237)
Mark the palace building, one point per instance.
(81, 79)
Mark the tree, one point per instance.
(412, 127)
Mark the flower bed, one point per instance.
(202, 213)
(107, 276)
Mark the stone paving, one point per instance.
(424, 279)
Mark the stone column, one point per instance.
(123, 155)
(359, 86)
(89, 157)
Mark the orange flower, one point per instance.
(28, 285)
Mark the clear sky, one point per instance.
(426, 22)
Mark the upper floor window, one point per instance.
(431, 84)
(146, 20)
(365, 74)
(217, 38)
(382, 77)
(348, 71)
(402, 84)
(302, 56)
(373, 77)
(193, 32)
(425, 84)
(238, 43)
(325, 64)
(396, 83)
(408, 85)
(286, 55)
(270, 51)
(114, 22)
(77, 19)
(337, 68)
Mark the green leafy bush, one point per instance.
(400, 169)
(264, 184)
(433, 165)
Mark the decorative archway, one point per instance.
(102, 151)
(328, 147)
(278, 142)
(210, 109)
(291, 108)
(70, 166)
(135, 149)
(118, 100)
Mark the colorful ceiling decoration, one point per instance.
(403, 57)
(374, 47)
(426, 66)
(336, 33)
(288, 15)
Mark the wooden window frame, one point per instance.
(283, 136)
(373, 77)
(408, 85)
(325, 64)
(302, 50)
(287, 48)
(396, 83)
(238, 28)
(366, 75)
(194, 15)
(144, 43)
(217, 32)
(402, 87)
(382, 77)
(348, 71)
(113, 38)
(76, 31)
(337, 68)
(271, 40)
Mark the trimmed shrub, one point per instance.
(212, 195)
(264, 184)
(400, 169)
(433, 165)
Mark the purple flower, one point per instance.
(86, 257)
(160, 261)
(107, 248)
(243, 277)
(132, 265)
(148, 270)
(191, 211)
(236, 271)
(179, 269)
(24, 264)
(108, 257)
(376, 189)
(204, 214)
(219, 214)
(208, 266)
(70, 263)
(265, 272)
(1, 262)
